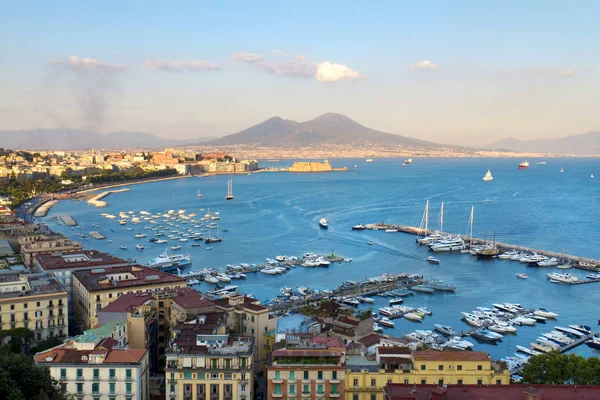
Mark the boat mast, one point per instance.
(471, 226)
(426, 217)
(442, 218)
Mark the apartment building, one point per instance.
(96, 288)
(98, 370)
(209, 366)
(247, 317)
(37, 302)
(40, 243)
(308, 368)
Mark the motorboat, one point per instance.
(123, 247)
(593, 276)
(542, 312)
(594, 343)
(408, 161)
(223, 278)
(522, 276)
(359, 227)
(139, 235)
(533, 259)
(488, 176)
(432, 260)
(351, 302)
(411, 316)
(176, 247)
(368, 300)
(450, 244)
(323, 223)
(487, 335)
(303, 290)
(211, 279)
(582, 328)
(395, 301)
(521, 320)
(528, 351)
(507, 255)
(562, 277)
(524, 165)
(439, 285)
(444, 330)
(422, 288)
(386, 322)
(551, 262)
(542, 347)
(140, 247)
(570, 331)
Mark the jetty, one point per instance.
(97, 200)
(68, 220)
(97, 235)
(579, 262)
(42, 211)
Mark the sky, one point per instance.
(457, 72)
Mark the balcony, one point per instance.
(79, 378)
(291, 395)
(334, 381)
(334, 395)
(306, 394)
(320, 381)
(277, 380)
(277, 395)
(320, 394)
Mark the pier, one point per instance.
(97, 235)
(579, 262)
(68, 220)
(577, 342)
(97, 200)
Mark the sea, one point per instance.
(277, 213)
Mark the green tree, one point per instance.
(558, 369)
(20, 379)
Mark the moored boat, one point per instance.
(323, 223)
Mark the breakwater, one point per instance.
(578, 261)
(68, 220)
(42, 210)
(97, 200)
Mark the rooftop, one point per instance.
(98, 334)
(233, 302)
(76, 259)
(434, 355)
(64, 355)
(123, 277)
(128, 302)
(200, 337)
(32, 285)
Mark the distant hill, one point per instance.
(68, 139)
(586, 144)
(326, 129)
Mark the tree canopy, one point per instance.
(555, 369)
(20, 379)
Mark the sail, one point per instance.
(488, 176)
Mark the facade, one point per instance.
(39, 243)
(247, 317)
(307, 367)
(37, 302)
(203, 365)
(98, 370)
(63, 264)
(96, 288)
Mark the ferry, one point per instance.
(168, 263)
(524, 165)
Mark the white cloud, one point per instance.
(87, 63)
(567, 72)
(296, 66)
(425, 64)
(328, 72)
(182, 66)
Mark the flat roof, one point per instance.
(126, 276)
(76, 259)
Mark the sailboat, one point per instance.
(212, 239)
(229, 190)
(488, 176)
(199, 194)
(435, 236)
(391, 228)
(470, 229)
(423, 227)
(562, 169)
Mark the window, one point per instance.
(305, 389)
(459, 381)
(422, 367)
(37, 304)
(243, 388)
(319, 388)
(440, 367)
(373, 397)
(292, 375)
(24, 305)
(95, 388)
(111, 387)
(214, 362)
(128, 374)
(406, 381)
(12, 306)
(79, 373)
(214, 389)
(389, 381)
(479, 382)
(355, 383)
(96, 374)
(63, 387)
(479, 367)
(111, 373)
(354, 397)
(306, 375)
(498, 382)
(277, 375)
(319, 375)
(253, 318)
(278, 389)
(227, 364)
(128, 388)
(292, 389)
(423, 381)
(227, 390)
(333, 388)
(79, 388)
(459, 367)
(334, 375)
(373, 382)
(97, 297)
(243, 363)
(63, 373)
(441, 382)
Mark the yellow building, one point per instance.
(37, 302)
(201, 366)
(367, 376)
(38, 243)
(96, 288)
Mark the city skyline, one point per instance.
(469, 74)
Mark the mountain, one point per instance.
(328, 128)
(68, 139)
(586, 144)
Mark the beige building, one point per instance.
(209, 366)
(39, 243)
(98, 369)
(96, 288)
(36, 302)
(247, 317)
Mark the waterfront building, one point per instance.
(36, 302)
(367, 376)
(307, 367)
(95, 368)
(247, 317)
(63, 264)
(96, 288)
(202, 364)
(40, 243)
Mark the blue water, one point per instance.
(278, 213)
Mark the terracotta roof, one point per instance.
(95, 259)
(125, 356)
(434, 355)
(393, 350)
(189, 298)
(62, 355)
(492, 392)
(370, 340)
(127, 301)
(97, 280)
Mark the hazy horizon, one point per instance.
(467, 73)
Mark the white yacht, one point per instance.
(166, 262)
(562, 277)
(448, 244)
(323, 223)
